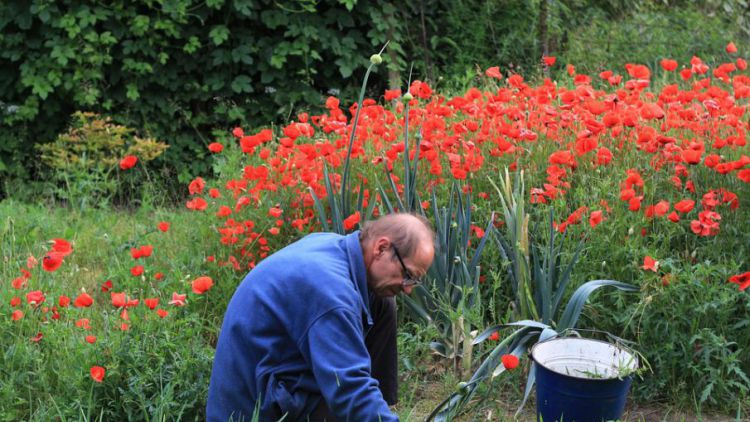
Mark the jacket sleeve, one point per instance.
(335, 349)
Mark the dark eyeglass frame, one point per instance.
(409, 279)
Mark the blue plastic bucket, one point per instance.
(581, 380)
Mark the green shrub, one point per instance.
(83, 162)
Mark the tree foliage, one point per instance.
(176, 70)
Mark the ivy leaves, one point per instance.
(180, 68)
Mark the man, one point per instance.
(310, 333)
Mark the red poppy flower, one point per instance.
(19, 283)
(650, 264)
(91, 339)
(83, 301)
(177, 299)
(163, 226)
(146, 251)
(275, 212)
(634, 204)
(596, 218)
(37, 338)
(162, 313)
(510, 362)
(107, 286)
(603, 156)
(495, 336)
(549, 60)
(215, 147)
(52, 261)
(494, 72)
(137, 270)
(731, 48)
(684, 206)
(63, 301)
(332, 103)
(661, 208)
(97, 373)
(83, 323)
(420, 89)
(158, 276)
(35, 297)
(196, 186)
(224, 211)
(128, 162)
(392, 94)
(31, 262)
(273, 231)
(118, 299)
(669, 65)
(151, 302)
(743, 280)
(351, 221)
(197, 204)
(202, 285)
(62, 247)
(16, 315)
(141, 252)
(15, 301)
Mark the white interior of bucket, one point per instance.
(583, 358)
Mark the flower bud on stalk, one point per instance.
(408, 96)
(462, 388)
(376, 59)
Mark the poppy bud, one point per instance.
(408, 96)
(462, 388)
(376, 59)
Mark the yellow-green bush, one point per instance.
(83, 161)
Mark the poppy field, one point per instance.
(112, 315)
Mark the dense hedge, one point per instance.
(180, 69)
(177, 69)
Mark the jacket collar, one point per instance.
(359, 273)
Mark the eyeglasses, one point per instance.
(409, 280)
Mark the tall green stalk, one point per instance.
(340, 203)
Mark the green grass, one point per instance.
(159, 369)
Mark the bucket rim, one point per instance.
(620, 348)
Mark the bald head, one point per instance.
(406, 231)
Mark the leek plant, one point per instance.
(540, 279)
(450, 299)
(339, 203)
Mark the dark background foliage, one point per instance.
(180, 70)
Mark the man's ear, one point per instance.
(381, 245)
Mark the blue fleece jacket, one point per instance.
(294, 332)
